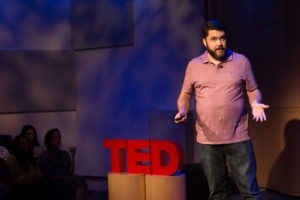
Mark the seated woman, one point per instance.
(24, 171)
(58, 168)
(31, 134)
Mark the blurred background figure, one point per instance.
(4, 153)
(30, 132)
(58, 168)
(24, 170)
(4, 180)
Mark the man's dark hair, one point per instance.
(212, 25)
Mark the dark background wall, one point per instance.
(267, 31)
(101, 69)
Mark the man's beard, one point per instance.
(216, 56)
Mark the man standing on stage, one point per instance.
(220, 78)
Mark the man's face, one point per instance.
(216, 44)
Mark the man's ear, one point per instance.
(204, 41)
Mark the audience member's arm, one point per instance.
(17, 176)
(72, 167)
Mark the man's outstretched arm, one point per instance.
(258, 112)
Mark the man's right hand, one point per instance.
(180, 117)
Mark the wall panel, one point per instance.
(275, 11)
(35, 25)
(281, 65)
(235, 13)
(102, 23)
(276, 146)
(35, 81)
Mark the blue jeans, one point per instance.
(242, 162)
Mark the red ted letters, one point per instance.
(156, 157)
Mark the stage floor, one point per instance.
(268, 195)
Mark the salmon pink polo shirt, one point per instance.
(220, 105)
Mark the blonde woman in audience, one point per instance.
(24, 170)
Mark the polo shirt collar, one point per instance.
(229, 57)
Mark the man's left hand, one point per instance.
(258, 112)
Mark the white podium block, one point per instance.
(123, 186)
(165, 187)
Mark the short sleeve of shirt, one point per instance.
(187, 86)
(249, 76)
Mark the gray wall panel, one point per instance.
(35, 25)
(102, 23)
(34, 81)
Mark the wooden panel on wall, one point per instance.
(101, 23)
(280, 44)
(276, 144)
(35, 81)
(235, 13)
(276, 11)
